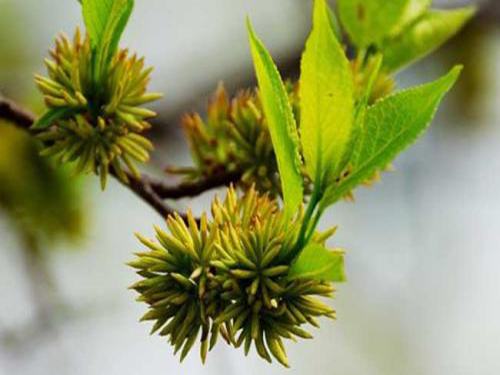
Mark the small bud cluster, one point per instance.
(383, 85)
(95, 121)
(230, 278)
(177, 283)
(235, 137)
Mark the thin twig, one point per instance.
(195, 188)
(152, 191)
(12, 112)
(144, 190)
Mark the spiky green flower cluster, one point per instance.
(265, 307)
(230, 277)
(95, 122)
(234, 137)
(177, 283)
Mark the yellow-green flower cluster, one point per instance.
(95, 122)
(178, 283)
(230, 277)
(234, 137)
(383, 84)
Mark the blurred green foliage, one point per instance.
(43, 202)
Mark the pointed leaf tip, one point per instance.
(390, 126)
(281, 122)
(422, 37)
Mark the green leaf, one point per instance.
(318, 263)
(327, 100)
(105, 21)
(116, 28)
(96, 14)
(281, 123)
(424, 36)
(414, 9)
(391, 125)
(53, 115)
(334, 22)
(369, 21)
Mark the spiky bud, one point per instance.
(234, 137)
(178, 284)
(264, 306)
(230, 277)
(95, 122)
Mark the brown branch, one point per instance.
(195, 188)
(144, 189)
(148, 189)
(12, 112)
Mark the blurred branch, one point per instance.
(42, 287)
(150, 190)
(12, 112)
(489, 11)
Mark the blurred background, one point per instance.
(423, 295)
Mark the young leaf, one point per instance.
(53, 115)
(424, 36)
(318, 263)
(105, 21)
(391, 125)
(281, 123)
(96, 14)
(122, 10)
(369, 21)
(334, 22)
(327, 100)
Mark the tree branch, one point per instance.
(143, 189)
(148, 189)
(12, 112)
(195, 188)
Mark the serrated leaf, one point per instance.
(327, 100)
(424, 36)
(391, 125)
(369, 21)
(318, 263)
(281, 123)
(53, 115)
